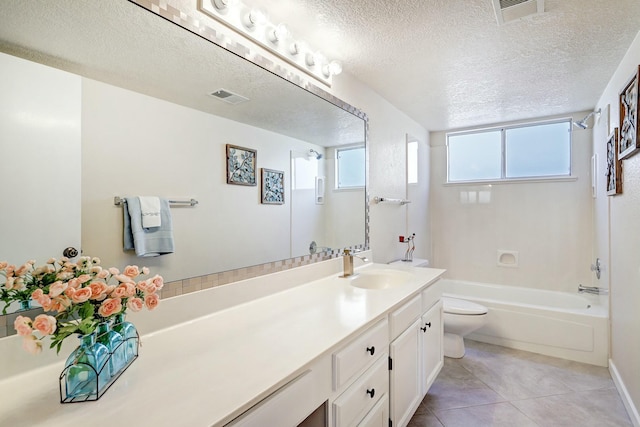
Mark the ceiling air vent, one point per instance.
(228, 97)
(510, 10)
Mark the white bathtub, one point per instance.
(566, 325)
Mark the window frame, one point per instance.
(503, 162)
(340, 148)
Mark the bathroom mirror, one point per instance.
(126, 46)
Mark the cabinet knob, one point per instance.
(371, 392)
(426, 325)
(371, 349)
(423, 329)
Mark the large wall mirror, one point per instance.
(144, 81)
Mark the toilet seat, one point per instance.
(462, 307)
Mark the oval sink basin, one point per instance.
(380, 279)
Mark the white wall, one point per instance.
(388, 128)
(617, 216)
(137, 145)
(547, 223)
(40, 172)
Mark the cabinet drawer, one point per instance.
(360, 353)
(362, 395)
(378, 416)
(430, 296)
(405, 316)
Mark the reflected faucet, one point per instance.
(592, 290)
(347, 260)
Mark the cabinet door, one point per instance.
(404, 376)
(431, 335)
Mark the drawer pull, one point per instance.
(371, 349)
(371, 392)
(424, 328)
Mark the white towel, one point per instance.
(150, 208)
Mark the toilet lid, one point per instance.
(461, 306)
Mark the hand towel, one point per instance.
(147, 242)
(150, 209)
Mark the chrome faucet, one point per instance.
(347, 261)
(591, 290)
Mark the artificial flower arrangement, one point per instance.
(81, 295)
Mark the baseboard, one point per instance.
(624, 395)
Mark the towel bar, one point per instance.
(388, 200)
(118, 201)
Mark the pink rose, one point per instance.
(151, 301)
(103, 274)
(22, 325)
(131, 289)
(69, 292)
(31, 344)
(158, 281)
(145, 270)
(45, 324)
(19, 284)
(131, 271)
(146, 286)
(114, 271)
(135, 304)
(84, 278)
(110, 306)
(123, 278)
(120, 291)
(3, 265)
(74, 283)
(37, 294)
(59, 303)
(57, 288)
(9, 283)
(98, 290)
(81, 295)
(23, 269)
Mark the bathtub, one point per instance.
(571, 326)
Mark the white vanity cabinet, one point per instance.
(292, 402)
(361, 379)
(431, 336)
(404, 352)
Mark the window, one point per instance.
(516, 152)
(412, 162)
(350, 167)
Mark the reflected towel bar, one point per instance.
(118, 201)
(388, 200)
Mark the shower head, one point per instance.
(582, 124)
(313, 152)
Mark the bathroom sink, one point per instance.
(380, 279)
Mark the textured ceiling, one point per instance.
(122, 44)
(448, 64)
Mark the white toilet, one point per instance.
(461, 317)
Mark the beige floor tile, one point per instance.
(597, 408)
(496, 415)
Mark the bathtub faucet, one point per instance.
(591, 290)
(347, 260)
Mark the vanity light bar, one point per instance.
(254, 25)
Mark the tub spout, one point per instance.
(592, 290)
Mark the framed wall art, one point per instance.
(272, 187)
(614, 165)
(628, 142)
(241, 165)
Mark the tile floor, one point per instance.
(497, 386)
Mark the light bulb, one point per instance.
(254, 17)
(278, 33)
(310, 59)
(294, 48)
(223, 4)
(333, 68)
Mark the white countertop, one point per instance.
(206, 371)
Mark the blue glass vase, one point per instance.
(115, 344)
(130, 336)
(87, 369)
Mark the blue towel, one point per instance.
(147, 242)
